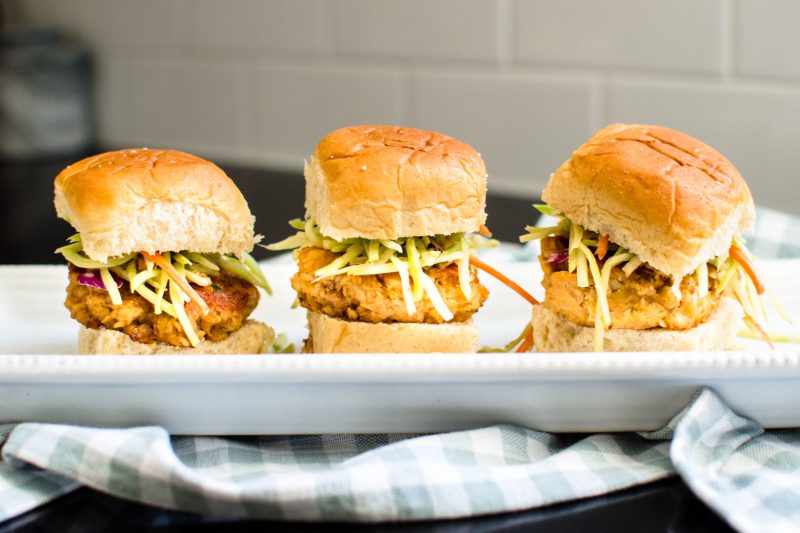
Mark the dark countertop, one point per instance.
(31, 232)
(662, 506)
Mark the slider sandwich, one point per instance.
(646, 253)
(384, 250)
(160, 262)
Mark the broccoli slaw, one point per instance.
(406, 256)
(166, 287)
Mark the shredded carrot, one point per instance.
(755, 325)
(740, 257)
(527, 342)
(477, 263)
(527, 333)
(170, 271)
(485, 231)
(602, 247)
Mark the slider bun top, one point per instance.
(387, 182)
(155, 201)
(667, 197)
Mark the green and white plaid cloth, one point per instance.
(749, 476)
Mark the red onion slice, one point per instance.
(90, 279)
(558, 257)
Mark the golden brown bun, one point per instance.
(333, 335)
(667, 197)
(153, 200)
(252, 338)
(552, 332)
(386, 182)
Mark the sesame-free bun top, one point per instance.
(667, 197)
(155, 201)
(386, 182)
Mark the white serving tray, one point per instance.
(41, 379)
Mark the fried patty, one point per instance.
(379, 298)
(644, 300)
(230, 301)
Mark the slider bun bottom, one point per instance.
(554, 333)
(252, 338)
(333, 335)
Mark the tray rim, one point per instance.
(452, 366)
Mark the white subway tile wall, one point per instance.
(192, 102)
(524, 125)
(418, 30)
(768, 39)
(253, 25)
(142, 24)
(113, 95)
(298, 105)
(524, 81)
(680, 35)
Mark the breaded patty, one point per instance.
(230, 301)
(379, 298)
(644, 300)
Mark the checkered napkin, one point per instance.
(749, 477)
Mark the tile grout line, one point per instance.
(728, 37)
(505, 33)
